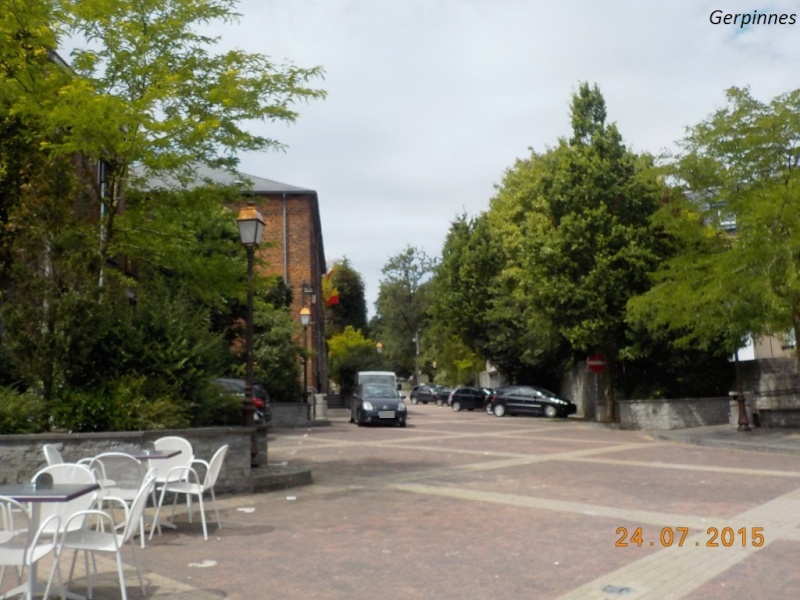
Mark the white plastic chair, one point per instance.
(66, 473)
(120, 475)
(22, 547)
(108, 538)
(52, 455)
(164, 466)
(185, 480)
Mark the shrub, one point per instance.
(22, 412)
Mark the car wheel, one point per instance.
(359, 420)
(456, 406)
(439, 402)
(488, 408)
(414, 400)
(499, 410)
(550, 412)
(402, 422)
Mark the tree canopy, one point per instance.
(735, 225)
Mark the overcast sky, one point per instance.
(430, 101)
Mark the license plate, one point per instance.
(386, 414)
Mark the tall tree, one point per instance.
(589, 246)
(147, 90)
(736, 227)
(351, 307)
(402, 306)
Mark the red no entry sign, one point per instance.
(596, 363)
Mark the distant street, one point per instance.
(472, 507)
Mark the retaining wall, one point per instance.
(22, 455)
(673, 414)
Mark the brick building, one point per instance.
(292, 248)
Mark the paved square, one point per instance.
(474, 507)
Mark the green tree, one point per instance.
(348, 353)
(352, 306)
(736, 228)
(583, 245)
(402, 306)
(146, 90)
(277, 353)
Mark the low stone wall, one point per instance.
(778, 400)
(673, 414)
(22, 455)
(289, 414)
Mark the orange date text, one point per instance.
(715, 537)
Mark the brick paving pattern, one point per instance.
(470, 506)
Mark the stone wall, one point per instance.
(673, 414)
(585, 389)
(778, 400)
(22, 455)
(289, 414)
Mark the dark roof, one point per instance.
(204, 175)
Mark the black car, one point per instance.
(423, 394)
(441, 395)
(469, 397)
(530, 400)
(374, 403)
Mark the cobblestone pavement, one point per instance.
(469, 506)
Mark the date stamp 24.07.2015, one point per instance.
(715, 537)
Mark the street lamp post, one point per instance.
(415, 339)
(251, 229)
(305, 319)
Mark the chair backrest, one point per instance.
(164, 465)
(214, 466)
(66, 473)
(138, 505)
(16, 534)
(122, 474)
(52, 455)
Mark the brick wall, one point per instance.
(292, 248)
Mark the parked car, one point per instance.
(423, 393)
(530, 400)
(493, 393)
(469, 397)
(377, 403)
(263, 413)
(441, 395)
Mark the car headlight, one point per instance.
(401, 406)
(367, 405)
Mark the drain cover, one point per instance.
(617, 589)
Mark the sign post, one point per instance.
(596, 363)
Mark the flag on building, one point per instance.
(329, 292)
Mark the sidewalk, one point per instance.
(759, 439)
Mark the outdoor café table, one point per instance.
(27, 493)
(144, 454)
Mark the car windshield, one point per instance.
(379, 391)
(544, 392)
